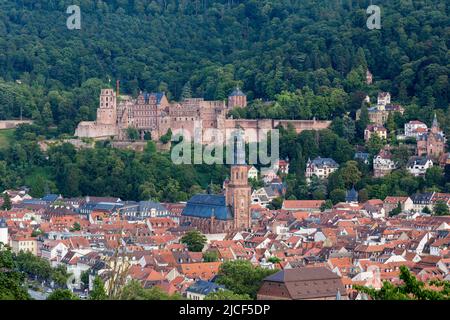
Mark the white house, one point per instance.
(383, 163)
(17, 196)
(418, 166)
(268, 175)
(415, 128)
(54, 250)
(320, 167)
(384, 98)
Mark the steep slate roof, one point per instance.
(204, 287)
(322, 162)
(419, 161)
(302, 274)
(351, 195)
(307, 282)
(237, 92)
(207, 205)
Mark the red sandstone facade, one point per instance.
(155, 115)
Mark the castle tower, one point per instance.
(107, 112)
(238, 192)
(237, 99)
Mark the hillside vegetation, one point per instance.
(209, 46)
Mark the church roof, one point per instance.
(207, 205)
(237, 92)
(352, 195)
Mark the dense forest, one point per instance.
(266, 46)
(295, 59)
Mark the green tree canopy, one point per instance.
(194, 240)
(241, 277)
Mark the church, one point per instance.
(222, 213)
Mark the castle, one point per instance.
(152, 115)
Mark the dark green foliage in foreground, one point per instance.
(410, 289)
(241, 277)
(62, 294)
(11, 280)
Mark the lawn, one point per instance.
(6, 136)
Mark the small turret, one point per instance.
(237, 99)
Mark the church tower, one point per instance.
(238, 191)
(107, 113)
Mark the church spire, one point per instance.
(435, 122)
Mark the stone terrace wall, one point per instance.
(10, 124)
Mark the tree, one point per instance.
(275, 204)
(84, 277)
(274, 259)
(6, 202)
(350, 173)
(410, 289)
(241, 277)
(363, 121)
(375, 144)
(397, 210)
(337, 195)
(60, 275)
(62, 294)
(76, 227)
(165, 138)
(11, 281)
(426, 210)
(34, 266)
(210, 256)
(434, 177)
(134, 291)
(186, 91)
(132, 133)
(328, 204)
(98, 291)
(194, 240)
(441, 208)
(226, 295)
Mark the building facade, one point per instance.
(418, 166)
(432, 143)
(225, 212)
(320, 167)
(152, 115)
(383, 163)
(375, 129)
(415, 128)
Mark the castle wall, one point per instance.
(148, 115)
(91, 129)
(10, 124)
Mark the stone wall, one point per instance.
(10, 124)
(91, 129)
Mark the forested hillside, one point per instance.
(307, 56)
(209, 46)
